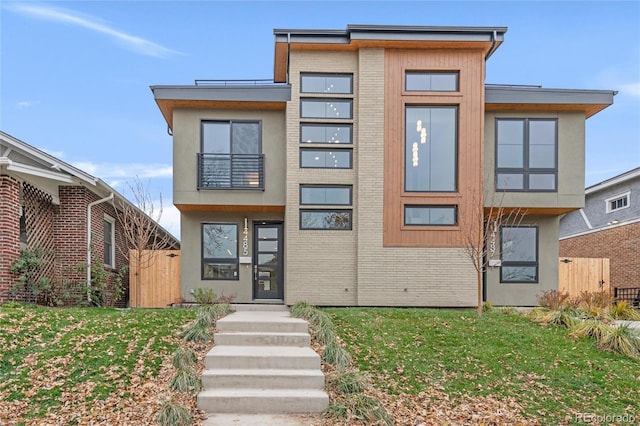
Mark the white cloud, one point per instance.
(131, 42)
(170, 219)
(632, 89)
(27, 104)
(119, 172)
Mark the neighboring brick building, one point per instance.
(44, 206)
(358, 175)
(609, 227)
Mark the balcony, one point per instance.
(231, 171)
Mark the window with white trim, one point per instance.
(109, 242)
(619, 202)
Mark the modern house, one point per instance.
(355, 177)
(64, 213)
(609, 227)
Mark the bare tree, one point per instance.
(141, 232)
(480, 233)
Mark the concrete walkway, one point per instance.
(262, 363)
(263, 420)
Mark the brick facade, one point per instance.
(61, 231)
(9, 232)
(620, 244)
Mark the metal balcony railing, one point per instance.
(231, 171)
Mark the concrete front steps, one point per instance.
(262, 363)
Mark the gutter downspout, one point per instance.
(110, 197)
(492, 49)
(288, 54)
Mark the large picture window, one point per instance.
(431, 148)
(526, 154)
(519, 250)
(230, 155)
(219, 251)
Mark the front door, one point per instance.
(268, 280)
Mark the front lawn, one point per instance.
(417, 355)
(84, 365)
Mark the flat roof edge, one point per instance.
(253, 93)
(513, 94)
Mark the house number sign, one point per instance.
(245, 239)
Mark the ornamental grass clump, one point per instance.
(621, 340)
(348, 381)
(185, 381)
(173, 414)
(622, 310)
(590, 328)
(336, 355)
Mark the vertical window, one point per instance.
(326, 83)
(219, 251)
(519, 250)
(431, 148)
(526, 154)
(431, 81)
(618, 202)
(230, 155)
(109, 242)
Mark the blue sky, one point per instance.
(75, 75)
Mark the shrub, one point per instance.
(623, 311)
(204, 296)
(173, 414)
(553, 299)
(599, 300)
(621, 340)
(487, 307)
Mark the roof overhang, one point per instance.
(354, 37)
(170, 98)
(528, 98)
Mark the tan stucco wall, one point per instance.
(186, 144)
(571, 162)
(191, 254)
(518, 294)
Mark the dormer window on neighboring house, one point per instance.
(619, 202)
(230, 155)
(527, 154)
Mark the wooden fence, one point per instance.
(156, 283)
(578, 274)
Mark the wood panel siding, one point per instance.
(588, 109)
(156, 283)
(470, 140)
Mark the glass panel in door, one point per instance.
(267, 261)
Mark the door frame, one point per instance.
(257, 224)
